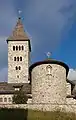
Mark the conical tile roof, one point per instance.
(18, 32)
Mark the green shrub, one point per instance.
(20, 97)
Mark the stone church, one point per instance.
(43, 82)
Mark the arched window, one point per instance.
(19, 48)
(17, 58)
(17, 76)
(20, 58)
(16, 68)
(22, 47)
(5, 99)
(48, 69)
(14, 58)
(9, 99)
(19, 68)
(16, 47)
(1, 99)
(13, 48)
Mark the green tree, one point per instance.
(20, 97)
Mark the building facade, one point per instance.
(18, 55)
(44, 82)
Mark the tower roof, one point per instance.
(18, 32)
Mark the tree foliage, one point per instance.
(20, 97)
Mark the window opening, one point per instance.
(14, 58)
(17, 58)
(1, 99)
(16, 68)
(22, 47)
(48, 69)
(17, 76)
(5, 99)
(20, 58)
(14, 48)
(19, 48)
(19, 68)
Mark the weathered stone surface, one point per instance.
(44, 107)
(24, 64)
(70, 101)
(68, 86)
(49, 86)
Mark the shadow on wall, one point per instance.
(13, 114)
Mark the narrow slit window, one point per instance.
(17, 58)
(1, 99)
(16, 47)
(48, 69)
(17, 76)
(16, 68)
(14, 58)
(22, 47)
(13, 48)
(19, 47)
(9, 100)
(20, 58)
(19, 68)
(5, 99)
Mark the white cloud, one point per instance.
(3, 74)
(7, 22)
(47, 20)
(72, 74)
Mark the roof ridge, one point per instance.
(18, 32)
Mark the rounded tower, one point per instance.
(48, 80)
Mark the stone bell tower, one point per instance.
(18, 55)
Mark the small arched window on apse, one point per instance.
(19, 47)
(17, 76)
(48, 70)
(17, 58)
(16, 47)
(14, 58)
(20, 58)
(13, 48)
(22, 47)
(19, 68)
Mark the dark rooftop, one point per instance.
(50, 61)
(10, 87)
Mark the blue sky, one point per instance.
(51, 25)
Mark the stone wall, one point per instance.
(70, 101)
(49, 85)
(44, 107)
(68, 86)
(18, 76)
